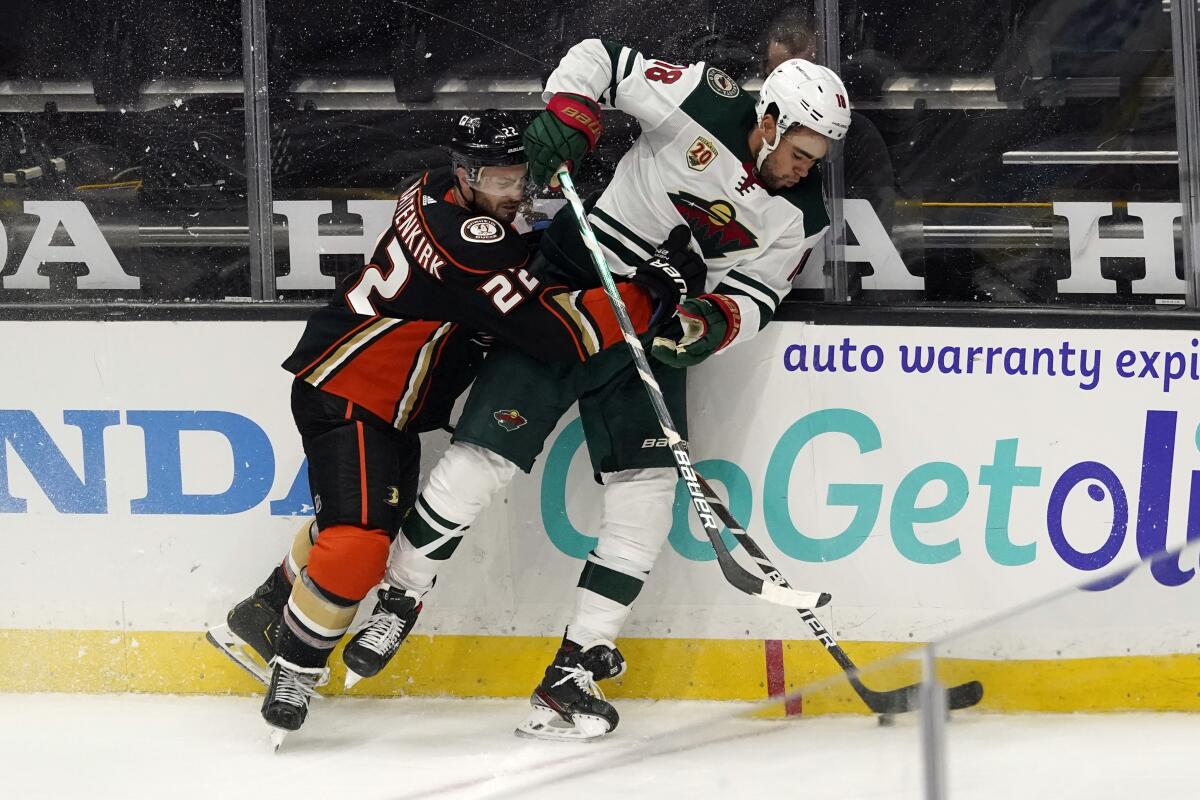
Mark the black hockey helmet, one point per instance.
(491, 138)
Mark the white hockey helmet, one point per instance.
(805, 94)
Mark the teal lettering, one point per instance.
(865, 497)
(562, 533)
(1002, 475)
(906, 512)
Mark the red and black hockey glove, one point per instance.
(710, 322)
(562, 134)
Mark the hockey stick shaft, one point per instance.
(704, 501)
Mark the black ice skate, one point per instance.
(370, 650)
(567, 704)
(286, 704)
(248, 635)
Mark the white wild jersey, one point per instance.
(692, 162)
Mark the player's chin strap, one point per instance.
(767, 149)
(460, 187)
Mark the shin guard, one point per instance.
(460, 486)
(345, 563)
(638, 506)
(302, 545)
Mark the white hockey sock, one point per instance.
(636, 521)
(459, 488)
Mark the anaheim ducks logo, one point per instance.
(510, 419)
(714, 224)
(482, 229)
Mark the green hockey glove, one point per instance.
(562, 134)
(710, 322)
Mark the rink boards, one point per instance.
(927, 477)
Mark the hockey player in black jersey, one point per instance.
(383, 362)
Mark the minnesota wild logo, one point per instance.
(714, 224)
(510, 419)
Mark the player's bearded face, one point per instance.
(796, 155)
(499, 191)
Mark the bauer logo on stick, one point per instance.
(509, 419)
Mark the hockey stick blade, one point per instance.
(964, 695)
(905, 698)
(774, 589)
(890, 701)
(893, 701)
(779, 594)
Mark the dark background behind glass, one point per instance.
(364, 95)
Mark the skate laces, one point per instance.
(296, 685)
(583, 678)
(383, 632)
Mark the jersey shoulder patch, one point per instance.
(483, 244)
(484, 230)
(721, 83)
(719, 106)
(476, 242)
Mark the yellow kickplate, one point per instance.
(686, 669)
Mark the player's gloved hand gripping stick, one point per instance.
(673, 274)
(710, 509)
(562, 134)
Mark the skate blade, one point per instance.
(277, 737)
(239, 652)
(352, 678)
(546, 724)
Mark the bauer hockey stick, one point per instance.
(708, 506)
(706, 503)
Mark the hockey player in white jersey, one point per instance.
(742, 176)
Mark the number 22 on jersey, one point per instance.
(504, 295)
(372, 280)
(499, 288)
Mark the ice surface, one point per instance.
(178, 748)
